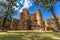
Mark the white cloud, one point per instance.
(17, 4)
(15, 7)
(26, 4)
(22, 2)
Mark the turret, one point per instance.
(40, 21)
(24, 14)
(25, 11)
(39, 17)
(24, 19)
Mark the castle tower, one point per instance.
(24, 14)
(40, 21)
(24, 19)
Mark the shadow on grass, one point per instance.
(21, 38)
(57, 34)
(11, 38)
(32, 37)
(26, 36)
(40, 38)
(46, 38)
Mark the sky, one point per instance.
(32, 8)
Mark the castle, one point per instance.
(32, 22)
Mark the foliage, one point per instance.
(46, 3)
(7, 10)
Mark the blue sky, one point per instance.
(32, 8)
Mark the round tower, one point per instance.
(40, 21)
(24, 17)
(24, 14)
(39, 17)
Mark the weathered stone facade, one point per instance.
(33, 22)
(51, 23)
(30, 21)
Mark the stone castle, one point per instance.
(32, 22)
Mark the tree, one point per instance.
(49, 4)
(9, 10)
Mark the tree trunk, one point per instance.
(55, 18)
(3, 25)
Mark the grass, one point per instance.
(32, 35)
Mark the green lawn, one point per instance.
(29, 35)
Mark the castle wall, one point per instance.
(52, 23)
(40, 21)
(31, 21)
